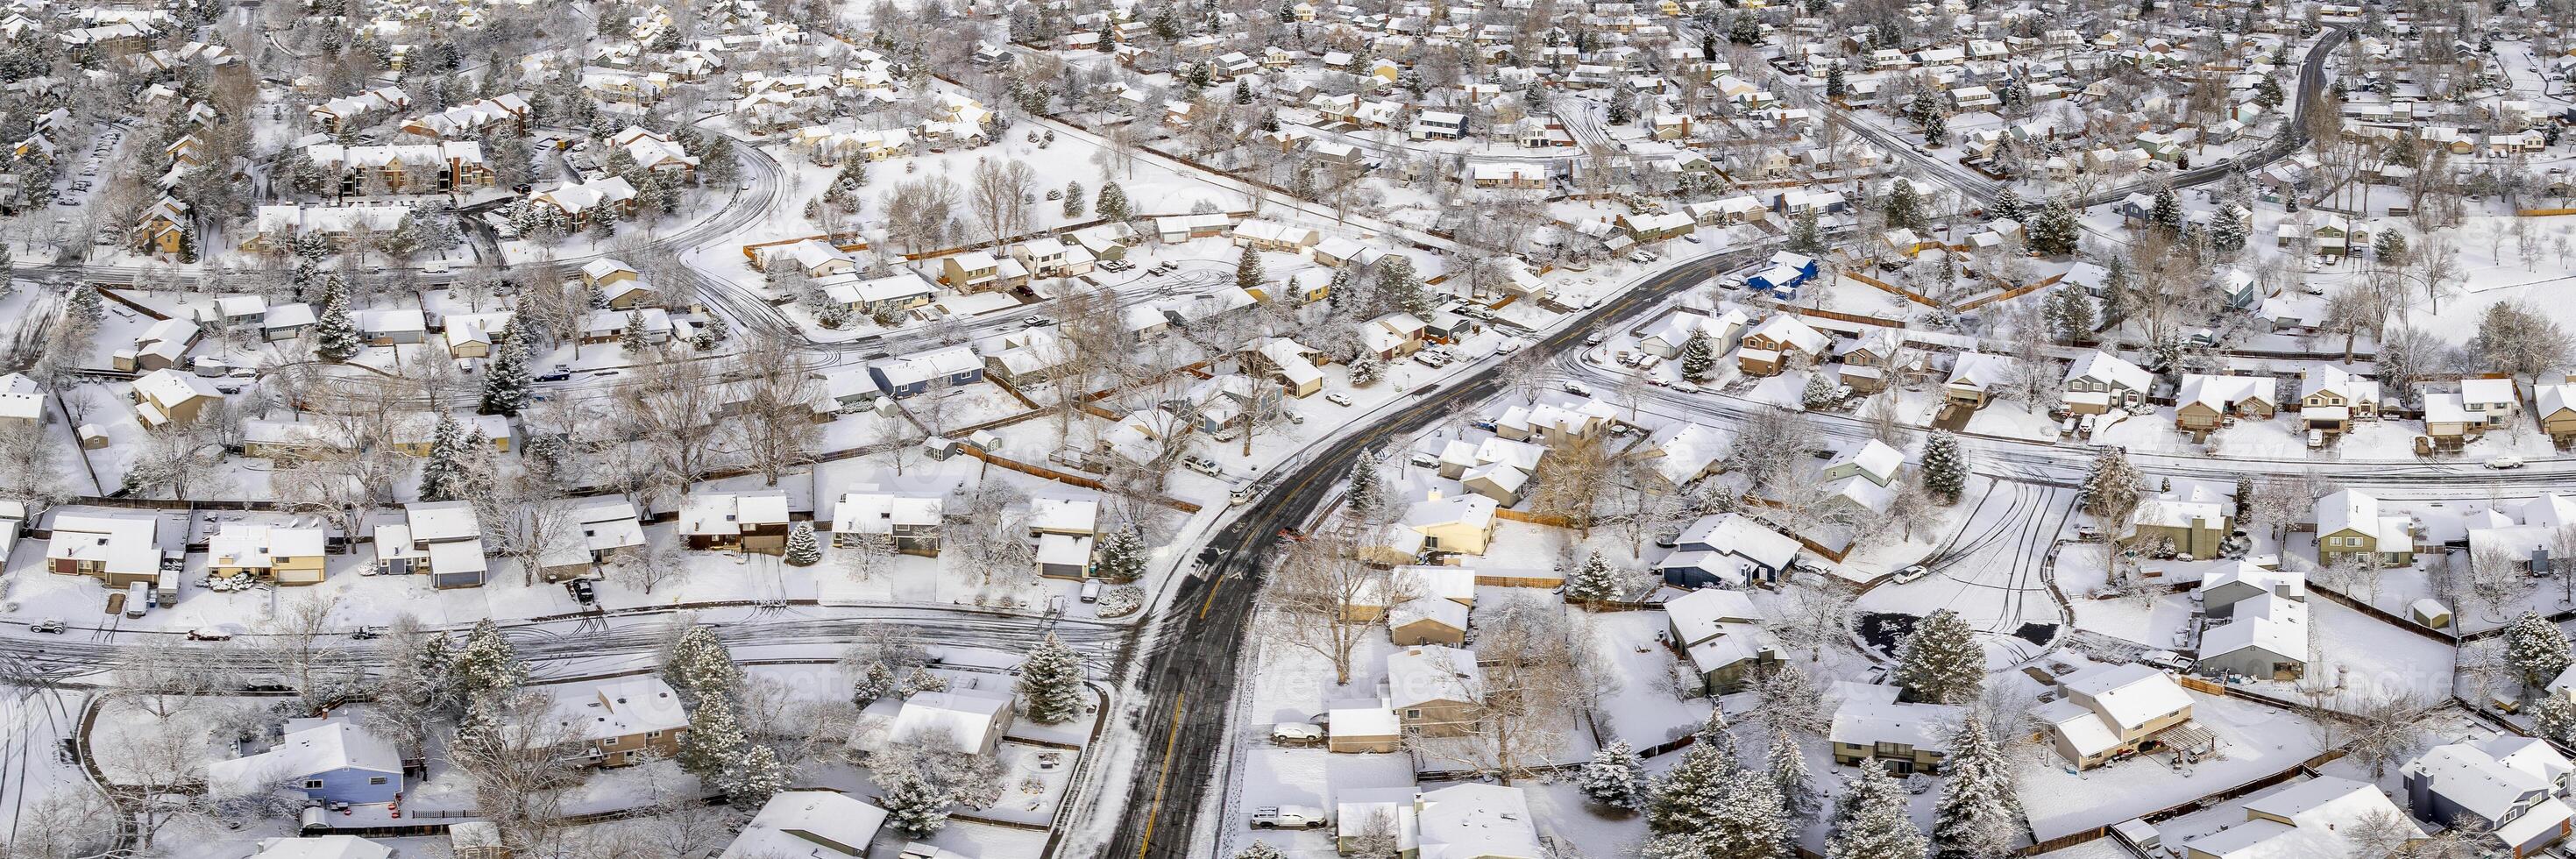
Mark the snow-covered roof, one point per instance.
(809, 823)
(1696, 616)
(1743, 536)
(2266, 622)
(331, 744)
(966, 717)
(322, 847)
(2322, 812)
(2490, 777)
(1468, 821)
(623, 707)
(2112, 370)
(1433, 672)
(1869, 714)
(2129, 695)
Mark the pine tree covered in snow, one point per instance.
(443, 474)
(1367, 497)
(2070, 314)
(1787, 770)
(1074, 200)
(1615, 777)
(2227, 233)
(632, 340)
(2535, 649)
(1676, 845)
(1051, 682)
(1247, 268)
(335, 335)
(1978, 814)
(1749, 821)
(1367, 369)
(1400, 287)
(699, 666)
(2008, 206)
(1112, 203)
(2553, 718)
(505, 376)
(715, 742)
(874, 683)
(1819, 392)
(2166, 212)
(2112, 486)
(755, 779)
(802, 549)
(2055, 231)
(1941, 661)
(1870, 821)
(914, 807)
(1945, 467)
(1686, 798)
(1122, 555)
(1699, 357)
(1835, 86)
(1593, 581)
(1903, 208)
(85, 307)
(487, 667)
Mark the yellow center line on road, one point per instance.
(1169, 744)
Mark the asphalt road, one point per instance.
(1191, 672)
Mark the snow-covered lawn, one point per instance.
(2253, 741)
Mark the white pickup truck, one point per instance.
(1288, 817)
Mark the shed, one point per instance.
(2431, 613)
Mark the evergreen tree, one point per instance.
(802, 549)
(699, 667)
(632, 339)
(2553, 718)
(2166, 213)
(1686, 798)
(1819, 392)
(1112, 203)
(335, 335)
(1806, 234)
(505, 376)
(1835, 86)
(2388, 250)
(85, 308)
(1615, 777)
(1122, 555)
(2008, 206)
(1367, 496)
(2111, 487)
(2535, 649)
(1399, 287)
(875, 683)
(1051, 682)
(1247, 269)
(443, 474)
(1941, 661)
(915, 807)
(1592, 582)
(715, 743)
(1699, 357)
(1936, 131)
(1903, 207)
(2070, 314)
(1366, 369)
(2267, 92)
(1870, 821)
(1745, 31)
(1620, 113)
(1750, 821)
(1788, 773)
(759, 776)
(1977, 816)
(2227, 232)
(1073, 199)
(2055, 231)
(487, 667)
(1945, 467)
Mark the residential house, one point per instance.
(1435, 690)
(813, 824)
(973, 722)
(162, 345)
(755, 522)
(629, 720)
(917, 374)
(2350, 528)
(1393, 336)
(118, 549)
(1727, 550)
(1721, 633)
(332, 760)
(2510, 788)
(2321, 816)
(1871, 725)
(2264, 637)
(2110, 711)
(440, 539)
(278, 554)
(164, 397)
(2207, 403)
(1666, 337)
(2555, 406)
(1465, 821)
(1779, 343)
(2330, 399)
(22, 403)
(609, 526)
(907, 519)
(2100, 381)
(1974, 379)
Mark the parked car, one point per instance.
(1296, 732)
(1508, 346)
(1912, 573)
(1036, 321)
(1425, 460)
(1288, 817)
(1201, 465)
(1337, 398)
(583, 591)
(2505, 462)
(53, 625)
(1091, 591)
(1594, 339)
(210, 633)
(561, 373)
(367, 633)
(1577, 389)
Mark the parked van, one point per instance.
(135, 596)
(1091, 591)
(165, 588)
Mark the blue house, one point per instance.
(1726, 550)
(1787, 272)
(330, 760)
(905, 377)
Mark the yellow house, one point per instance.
(2109, 711)
(278, 554)
(1436, 690)
(1462, 525)
(2349, 527)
